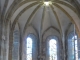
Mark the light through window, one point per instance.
(75, 47)
(15, 48)
(72, 48)
(53, 49)
(29, 48)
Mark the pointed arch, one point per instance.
(16, 43)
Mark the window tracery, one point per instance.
(72, 47)
(15, 49)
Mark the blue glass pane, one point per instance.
(29, 48)
(53, 49)
(15, 48)
(72, 48)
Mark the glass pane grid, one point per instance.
(73, 48)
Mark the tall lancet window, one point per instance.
(15, 48)
(72, 47)
(29, 48)
(74, 38)
(53, 49)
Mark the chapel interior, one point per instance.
(39, 29)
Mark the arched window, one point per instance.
(15, 49)
(53, 49)
(72, 47)
(29, 48)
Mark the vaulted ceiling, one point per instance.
(60, 15)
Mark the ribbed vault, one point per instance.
(59, 15)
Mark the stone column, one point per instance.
(10, 45)
(63, 39)
(0, 31)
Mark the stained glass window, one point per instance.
(29, 48)
(53, 49)
(15, 49)
(75, 46)
(72, 48)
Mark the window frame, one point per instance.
(34, 45)
(16, 40)
(29, 46)
(47, 46)
(69, 37)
